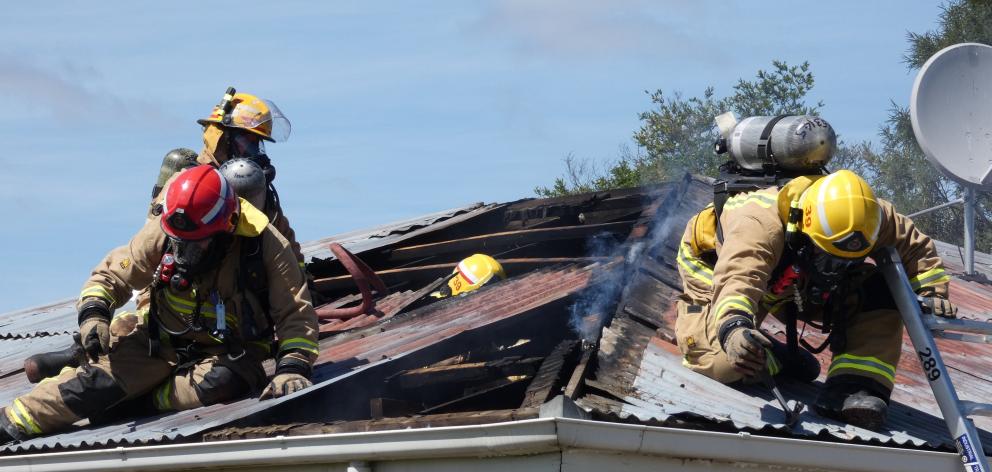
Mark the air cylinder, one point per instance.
(791, 142)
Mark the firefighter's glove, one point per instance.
(95, 335)
(94, 328)
(291, 377)
(938, 306)
(744, 345)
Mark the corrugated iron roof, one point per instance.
(639, 376)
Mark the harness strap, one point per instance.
(765, 152)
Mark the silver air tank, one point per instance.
(173, 162)
(247, 179)
(791, 142)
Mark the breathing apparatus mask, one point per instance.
(825, 271)
(185, 259)
(246, 145)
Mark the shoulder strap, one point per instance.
(254, 278)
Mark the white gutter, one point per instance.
(500, 439)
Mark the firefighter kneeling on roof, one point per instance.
(207, 329)
(799, 252)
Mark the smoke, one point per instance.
(596, 305)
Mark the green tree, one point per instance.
(677, 135)
(899, 171)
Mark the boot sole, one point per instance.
(866, 418)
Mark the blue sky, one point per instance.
(398, 108)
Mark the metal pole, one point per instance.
(966, 438)
(938, 207)
(970, 201)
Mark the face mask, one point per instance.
(826, 272)
(186, 259)
(242, 144)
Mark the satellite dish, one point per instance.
(951, 110)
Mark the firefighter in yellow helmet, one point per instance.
(238, 127)
(471, 274)
(798, 252)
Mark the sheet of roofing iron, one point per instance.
(340, 357)
(363, 240)
(664, 388)
(54, 318)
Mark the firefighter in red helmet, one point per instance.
(203, 336)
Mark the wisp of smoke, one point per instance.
(595, 306)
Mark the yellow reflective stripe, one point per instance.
(162, 400)
(303, 265)
(929, 278)
(232, 320)
(56, 376)
(734, 301)
(865, 363)
(762, 200)
(98, 292)
(186, 307)
(23, 419)
(179, 301)
(695, 267)
(302, 344)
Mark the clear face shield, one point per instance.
(271, 121)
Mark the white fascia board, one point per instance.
(500, 439)
(748, 448)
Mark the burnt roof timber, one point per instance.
(394, 276)
(504, 239)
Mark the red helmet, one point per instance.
(199, 204)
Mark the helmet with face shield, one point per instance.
(252, 114)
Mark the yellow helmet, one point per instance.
(253, 114)
(470, 274)
(841, 215)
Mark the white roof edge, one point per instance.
(500, 439)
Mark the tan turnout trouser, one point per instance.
(128, 372)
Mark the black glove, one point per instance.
(94, 328)
(291, 376)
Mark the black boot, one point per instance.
(49, 364)
(801, 366)
(858, 401)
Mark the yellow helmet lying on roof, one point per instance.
(253, 114)
(841, 215)
(470, 274)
